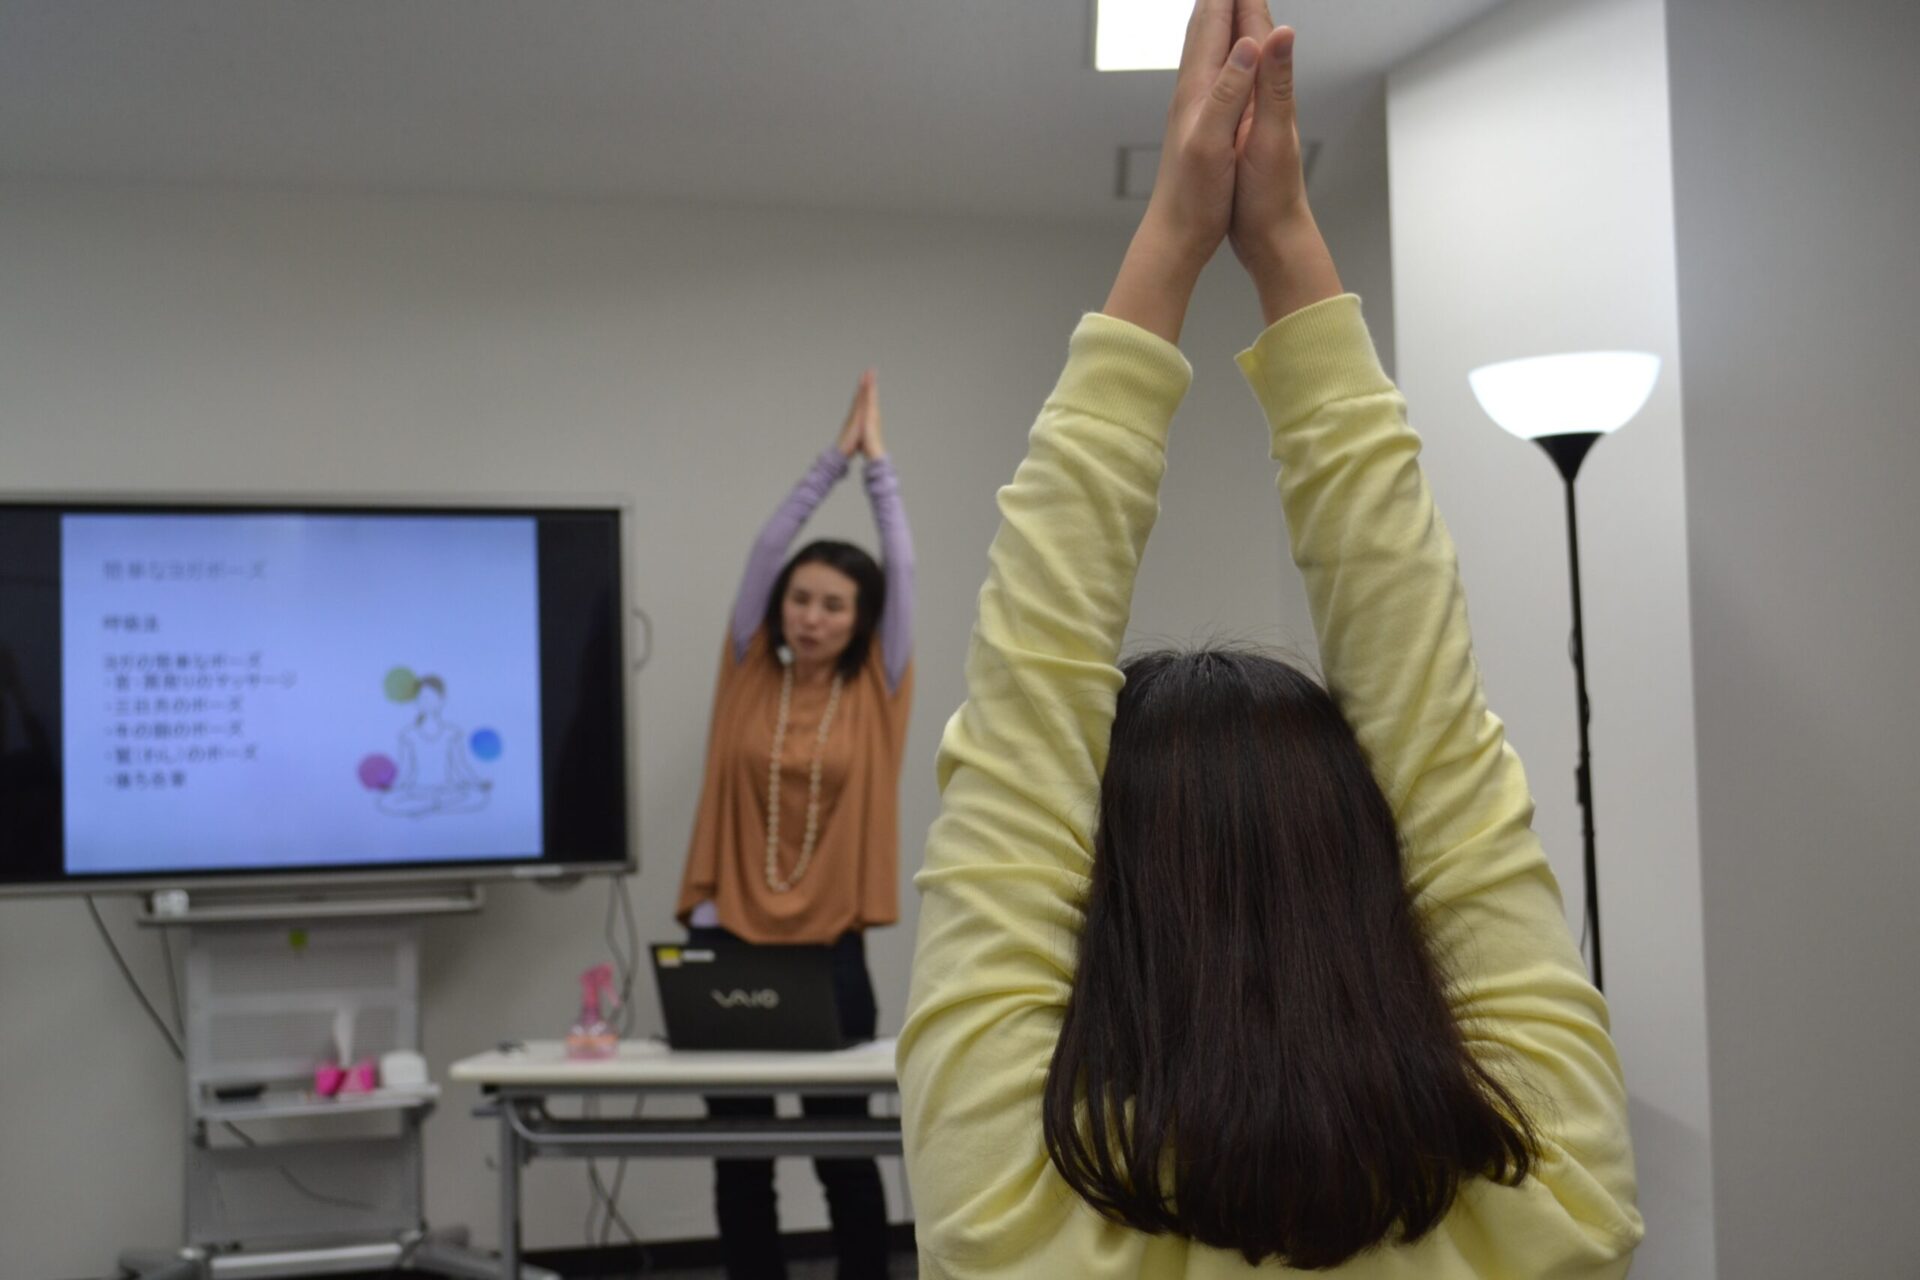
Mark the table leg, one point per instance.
(509, 1193)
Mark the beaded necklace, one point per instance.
(775, 881)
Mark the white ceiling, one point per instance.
(976, 106)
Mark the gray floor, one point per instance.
(815, 1269)
(903, 1268)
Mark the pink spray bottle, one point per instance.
(592, 1035)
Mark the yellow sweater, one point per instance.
(1019, 770)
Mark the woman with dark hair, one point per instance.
(797, 837)
(1217, 969)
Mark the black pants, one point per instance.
(743, 1193)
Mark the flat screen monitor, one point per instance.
(224, 694)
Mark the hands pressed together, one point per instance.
(1230, 168)
(861, 431)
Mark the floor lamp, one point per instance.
(1564, 404)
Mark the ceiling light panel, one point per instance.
(1139, 35)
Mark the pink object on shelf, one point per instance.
(362, 1077)
(328, 1079)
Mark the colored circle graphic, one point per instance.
(377, 772)
(402, 685)
(485, 744)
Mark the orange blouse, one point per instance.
(852, 881)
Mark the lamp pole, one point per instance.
(1564, 403)
(1568, 451)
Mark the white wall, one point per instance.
(1532, 213)
(1796, 185)
(156, 340)
(1349, 194)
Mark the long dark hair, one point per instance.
(1258, 1053)
(870, 596)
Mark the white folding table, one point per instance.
(521, 1080)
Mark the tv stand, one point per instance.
(279, 1181)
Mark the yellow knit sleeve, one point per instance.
(1019, 771)
(1391, 617)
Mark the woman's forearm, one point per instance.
(770, 548)
(896, 554)
(1155, 282)
(1291, 267)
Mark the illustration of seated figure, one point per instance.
(435, 774)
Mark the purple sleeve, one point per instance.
(896, 554)
(770, 548)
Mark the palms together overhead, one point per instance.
(861, 431)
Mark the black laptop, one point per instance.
(739, 996)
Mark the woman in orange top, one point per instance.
(797, 838)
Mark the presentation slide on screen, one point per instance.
(254, 691)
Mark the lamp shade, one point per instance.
(1581, 392)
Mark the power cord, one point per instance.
(338, 1202)
(139, 993)
(626, 964)
(624, 945)
(173, 984)
(603, 1214)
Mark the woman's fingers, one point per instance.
(852, 429)
(1272, 142)
(1250, 18)
(1193, 196)
(1226, 100)
(1209, 33)
(872, 442)
(1269, 186)
(1272, 229)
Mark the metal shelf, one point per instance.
(294, 1105)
